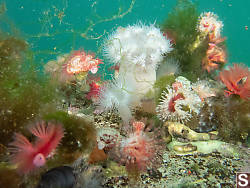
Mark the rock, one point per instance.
(178, 130)
(185, 148)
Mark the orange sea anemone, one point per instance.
(80, 62)
(237, 81)
(214, 56)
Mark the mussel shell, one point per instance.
(59, 177)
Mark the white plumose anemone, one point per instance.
(178, 105)
(138, 49)
(119, 95)
(170, 66)
(138, 45)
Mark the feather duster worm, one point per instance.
(140, 150)
(209, 24)
(28, 156)
(237, 81)
(215, 56)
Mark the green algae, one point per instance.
(189, 47)
(24, 94)
(161, 84)
(114, 169)
(231, 117)
(9, 177)
(79, 135)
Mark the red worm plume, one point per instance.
(237, 81)
(28, 156)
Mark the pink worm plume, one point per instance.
(29, 156)
(237, 81)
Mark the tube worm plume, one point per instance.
(237, 81)
(30, 156)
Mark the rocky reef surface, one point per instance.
(192, 170)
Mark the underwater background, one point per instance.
(124, 93)
(59, 26)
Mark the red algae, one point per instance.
(237, 81)
(94, 91)
(28, 156)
